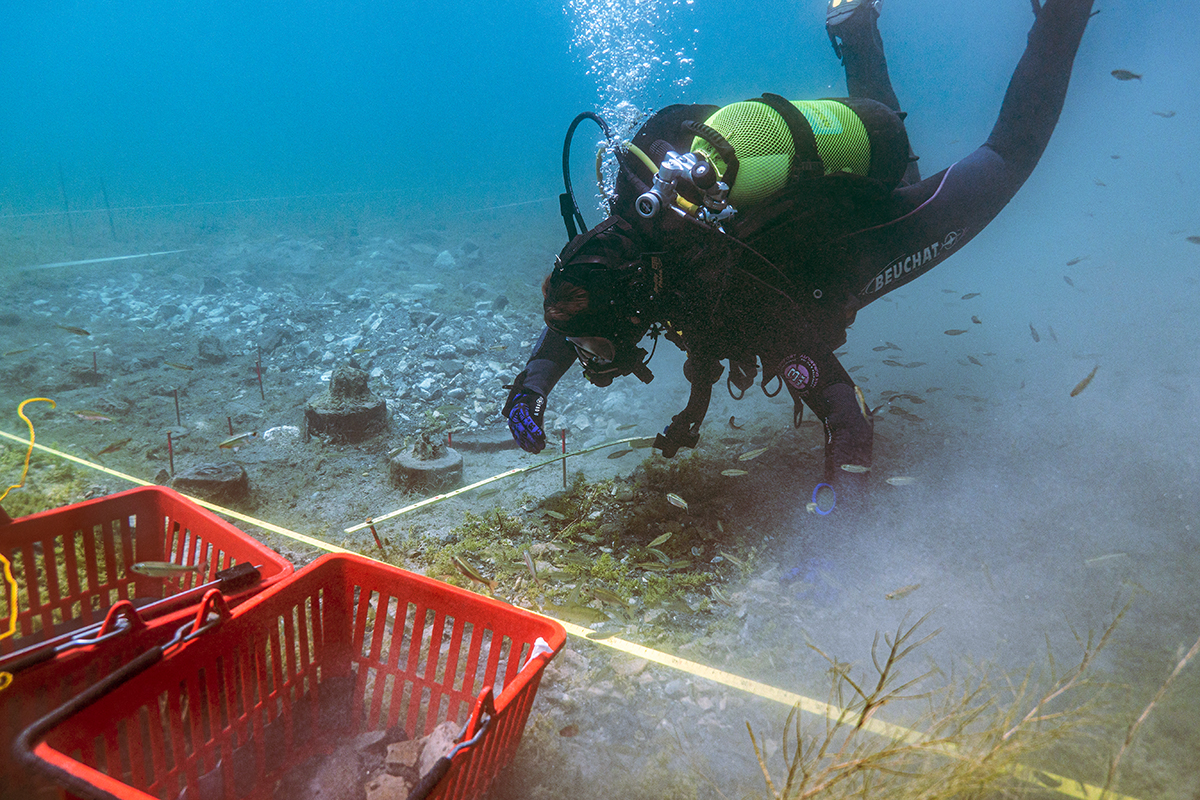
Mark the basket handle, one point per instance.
(122, 618)
(29, 747)
(233, 579)
(484, 704)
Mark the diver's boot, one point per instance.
(840, 13)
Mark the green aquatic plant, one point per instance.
(974, 735)
(51, 482)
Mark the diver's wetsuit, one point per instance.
(842, 246)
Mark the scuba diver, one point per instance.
(753, 234)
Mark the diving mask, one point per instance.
(604, 361)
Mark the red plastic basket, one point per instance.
(71, 566)
(344, 647)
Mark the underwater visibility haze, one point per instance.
(208, 209)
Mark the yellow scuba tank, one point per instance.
(777, 141)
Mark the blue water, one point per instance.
(177, 102)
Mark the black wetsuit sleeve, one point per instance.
(941, 213)
(552, 357)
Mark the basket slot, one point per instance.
(71, 569)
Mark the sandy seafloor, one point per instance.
(1033, 516)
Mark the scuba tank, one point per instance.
(742, 154)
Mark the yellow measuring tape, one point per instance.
(428, 501)
(1048, 780)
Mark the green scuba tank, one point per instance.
(779, 141)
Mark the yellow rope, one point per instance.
(29, 452)
(11, 628)
(6, 677)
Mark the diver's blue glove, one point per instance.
(525, 410)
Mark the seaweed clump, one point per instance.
(965, 743)
(50, 483)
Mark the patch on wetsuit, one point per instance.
(904, 265)
(800, 372)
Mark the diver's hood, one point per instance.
(608, 263)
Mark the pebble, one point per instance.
(422, 349)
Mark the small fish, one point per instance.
(582, 615)
(488, 492)
(1068, 281)
(881, 348)
(857, 469)
(955, 332)
(892, 363)
(1125, 75)
(660, 540)
(750, 455)
(472, 573)
(22, 350)
(914, 364)
(577, 559)
(599, 636)
(605, 596)
(1098, 559)
(1194, 239)
(532, 567)
(114, 447)
(855, 368)
(627, 427)
(234, 441)
(1075, 260)
(677, 501)
(949, 291)
(1163, 114)
(901, 480)
(641, 444)
(1050, 330)
(498, 347)
(734, 473)
(1033, 332)
(555, 515)
(162, 569)
(734, 426)
(892, 345)
(92, 416)
(619, 453)
(903, 591)
(732, 558)
(969, 295)
(1099, 182)
(977, 320)
(72, 329)
(720, 596)
(177, 366)
(652, 566)
(1083, 384)
(975, 361)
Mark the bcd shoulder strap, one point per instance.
(807, 161)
